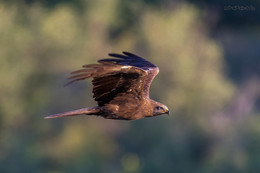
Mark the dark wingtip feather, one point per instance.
(127, 53)
(131, 55)
(86, 75)
(70, 82)
(119, 56)
(110, 61)
(80, 71)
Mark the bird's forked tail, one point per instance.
(86, 111)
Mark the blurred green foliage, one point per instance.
(41, 42)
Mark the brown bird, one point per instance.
(121, 88)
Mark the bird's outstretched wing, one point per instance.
(117, 76)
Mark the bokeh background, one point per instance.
(209, 58)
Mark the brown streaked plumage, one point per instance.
(121, 88)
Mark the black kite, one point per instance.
(121, 88)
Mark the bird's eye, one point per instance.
(158, 107)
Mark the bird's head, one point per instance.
(159, 109)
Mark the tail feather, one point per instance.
(86, 111)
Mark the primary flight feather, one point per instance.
(121, 88)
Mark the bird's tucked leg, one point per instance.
(83, 111)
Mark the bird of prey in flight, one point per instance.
(121, 88)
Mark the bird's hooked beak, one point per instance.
(166, 110)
